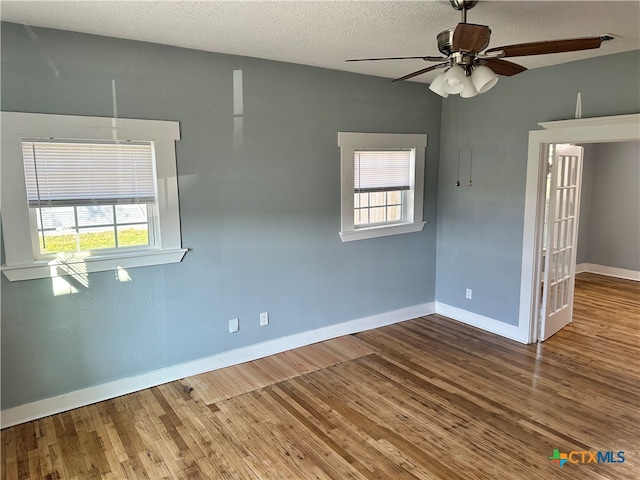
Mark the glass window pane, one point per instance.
(95, 215)
(96, 238)
(133, 235)
(66, 240)
(377, 215)
(364, 199)
(394, 197)
(361, 216)
(394, 213)
(131, 213)
(377, 198)
(55, 217)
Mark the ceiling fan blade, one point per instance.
(468, 37)
(420, 72)
(425, 58)
(502, 67)
(550, 46)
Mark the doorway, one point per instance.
(588, 130)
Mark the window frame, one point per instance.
(349, 142)
(21, 262)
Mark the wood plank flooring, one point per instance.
(425, 399)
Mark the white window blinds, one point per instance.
(60, 173)
(380, 170)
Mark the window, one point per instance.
(380, 180)
(90, 190)
(88, 196)
(382, 184)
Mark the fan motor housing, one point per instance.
(445, 42)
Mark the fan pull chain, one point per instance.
(459, 140)
(473, 116)
(470, 166)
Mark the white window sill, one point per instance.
(83, 263)
(381, 231)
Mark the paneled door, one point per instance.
(561, 222)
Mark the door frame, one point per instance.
(619, 128)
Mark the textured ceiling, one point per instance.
(325, 33)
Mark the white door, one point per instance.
(561, 217)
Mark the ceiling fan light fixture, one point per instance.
(483, 78)
(453, 79)
(437, 85)
(472, 71)
(468, 90)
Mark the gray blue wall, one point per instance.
(584, 227)
(480, 227)
(260, 214)
(610, 206)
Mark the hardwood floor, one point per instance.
(425, 399)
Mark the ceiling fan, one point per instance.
(469, 71)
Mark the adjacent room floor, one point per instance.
(425, 399)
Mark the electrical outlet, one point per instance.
(469, 293)
(264, 319)
(234, 325)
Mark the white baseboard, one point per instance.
(609, 271)
(512, 332)
(582, 267)
(87, 396)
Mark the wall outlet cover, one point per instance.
(234, 325)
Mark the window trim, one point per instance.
(349, 142)
(19, 254)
